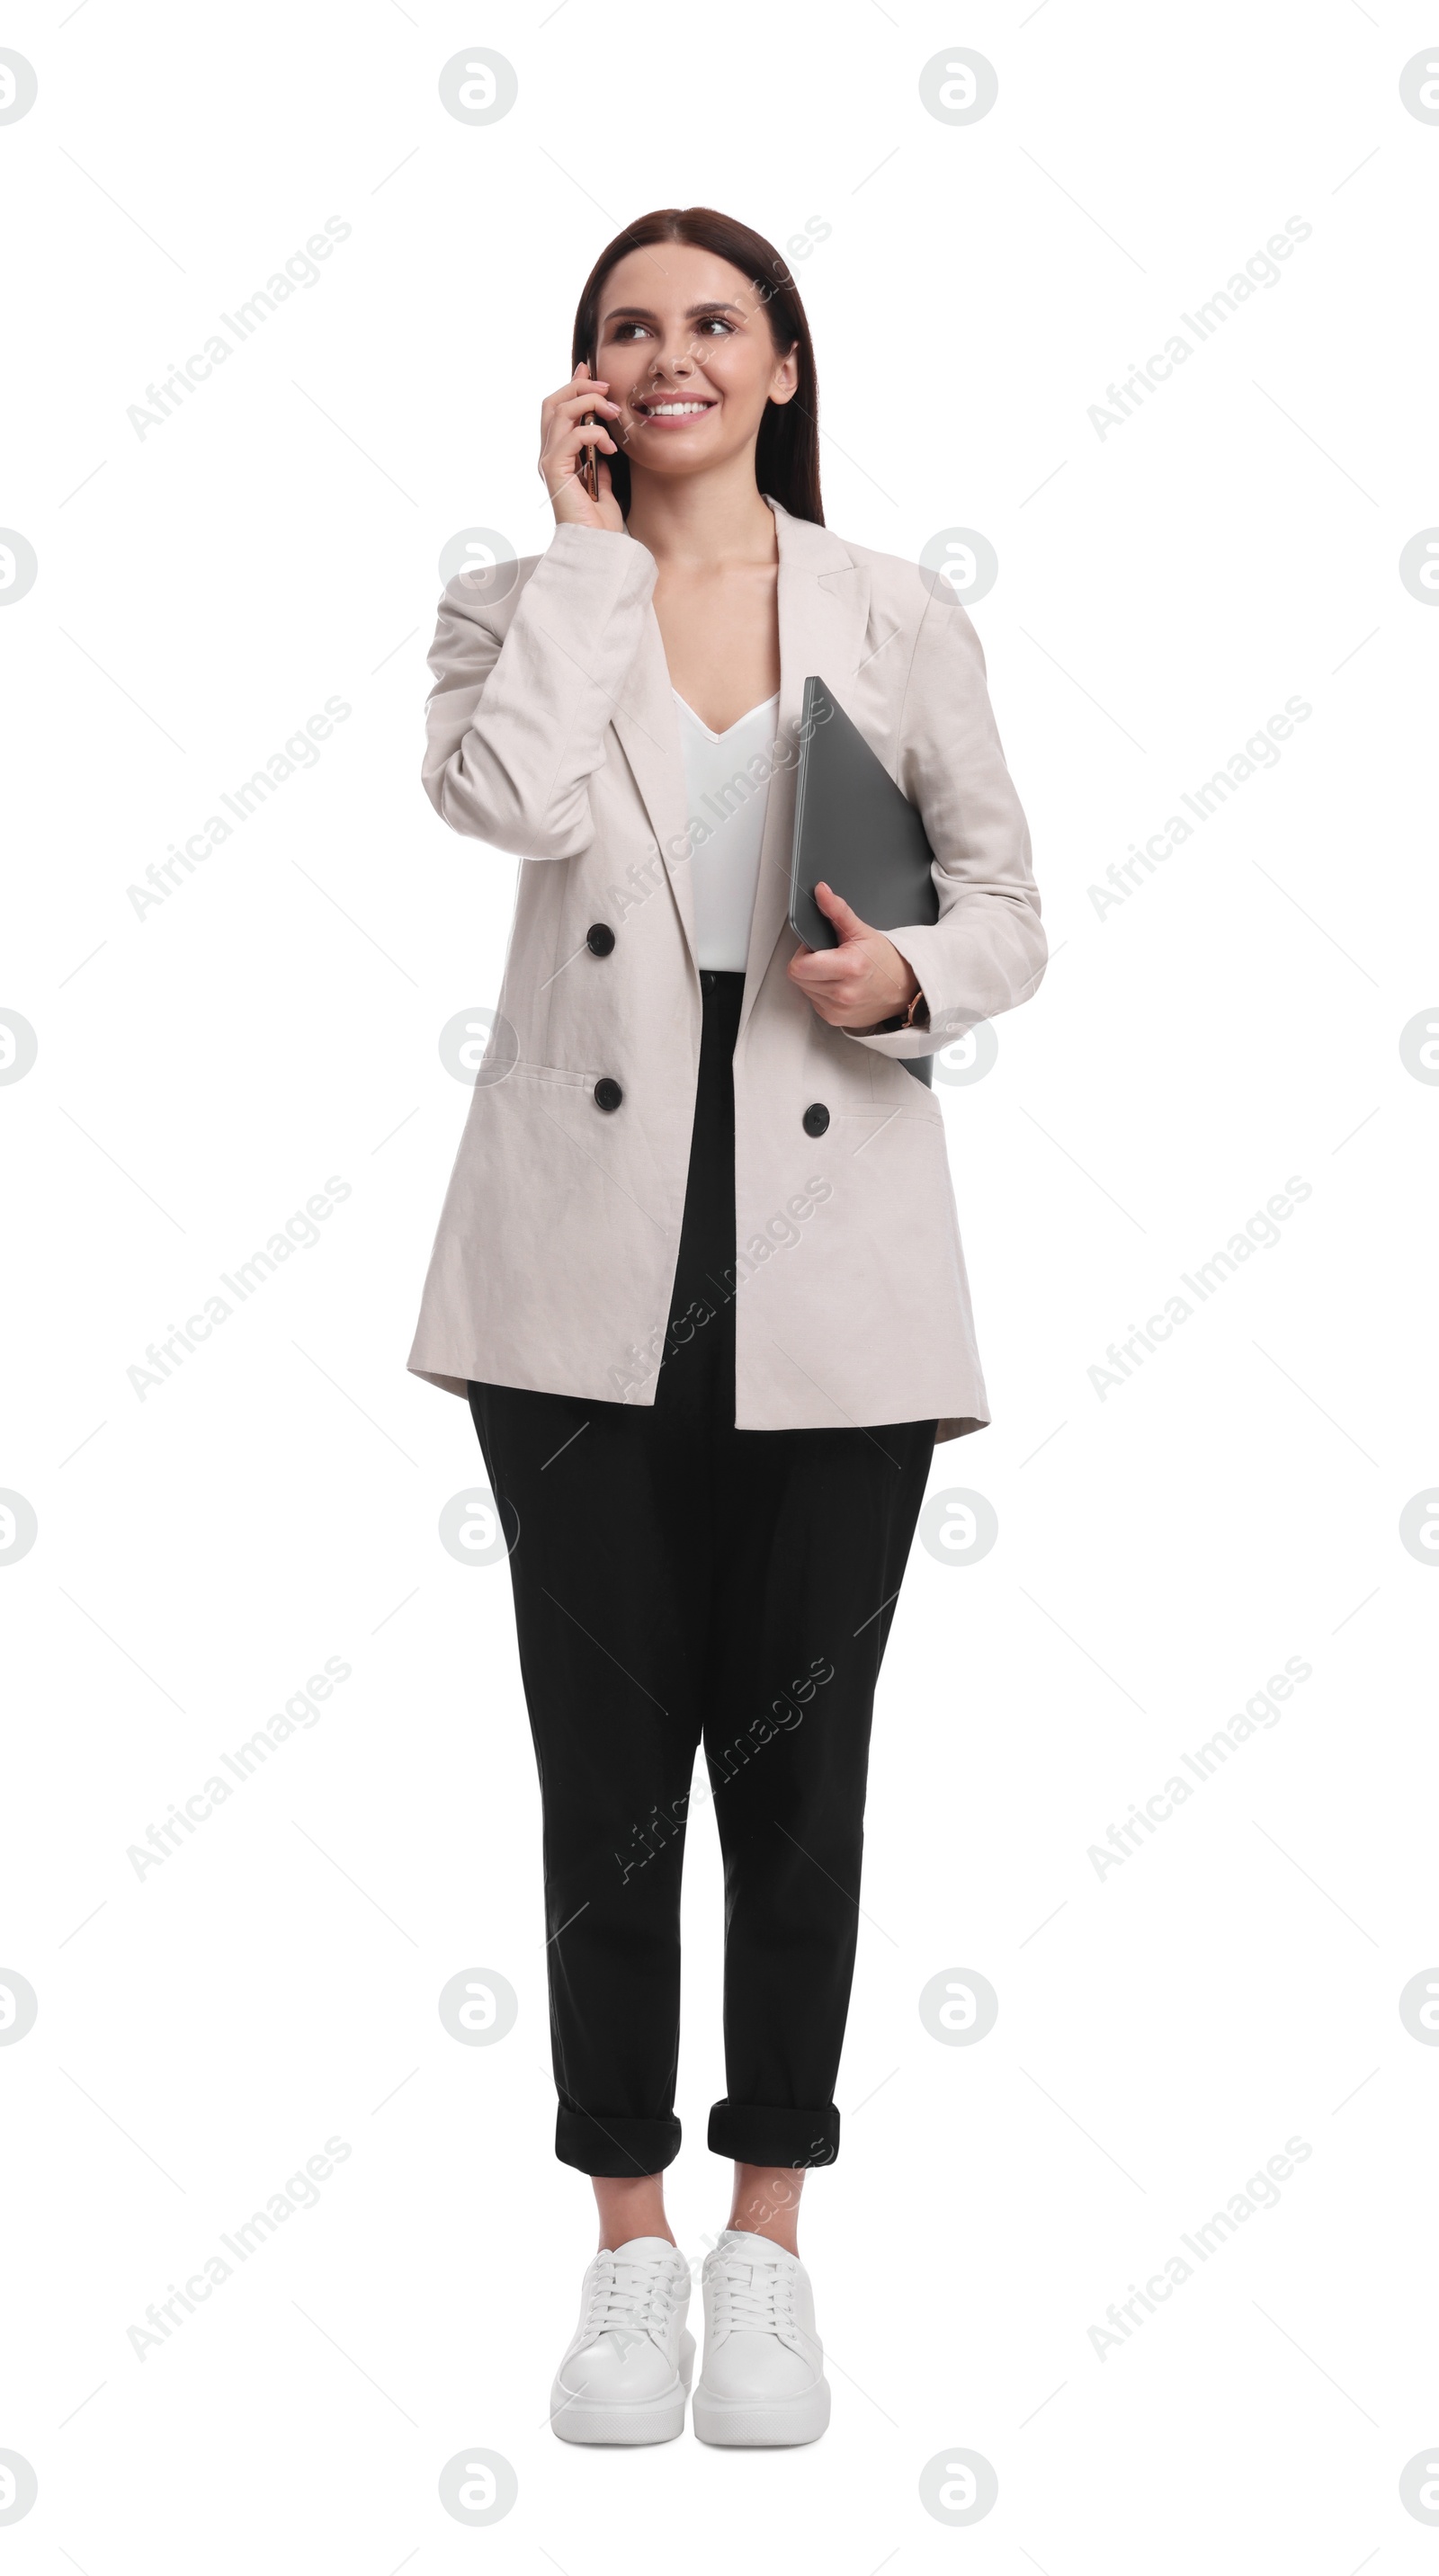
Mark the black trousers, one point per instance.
(680, 1582)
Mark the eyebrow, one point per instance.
(642, 312)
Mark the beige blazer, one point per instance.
(553, 733)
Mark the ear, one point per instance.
(784, 383)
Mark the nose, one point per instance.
(673, 361)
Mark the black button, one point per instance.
(599, 939)
(608, 1094)
(816, 1118)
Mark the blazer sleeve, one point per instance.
(987, 950)
(515, 724)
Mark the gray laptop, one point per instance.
(855, 830)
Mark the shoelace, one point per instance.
(631, 2295)
(752, 2296)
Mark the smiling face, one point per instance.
(686, 344)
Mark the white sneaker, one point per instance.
(763, 2379)
(626, 2374)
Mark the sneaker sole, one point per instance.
(779, 2423)
(649, 2419)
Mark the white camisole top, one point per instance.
(730, 804)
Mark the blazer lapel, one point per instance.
(648, 728)
(823, 598)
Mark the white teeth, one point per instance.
(675, 410)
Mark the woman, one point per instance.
(699, 1270)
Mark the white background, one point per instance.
(203, 1069)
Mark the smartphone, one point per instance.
(589, 456)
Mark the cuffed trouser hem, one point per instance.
(615, 2147)
(768, 2133)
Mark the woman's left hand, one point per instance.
(862, 981)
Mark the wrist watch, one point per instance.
(903, 1019)
(911, 1017)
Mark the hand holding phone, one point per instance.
(573, 433)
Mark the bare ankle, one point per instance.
(630, 2205)
(766, 2203)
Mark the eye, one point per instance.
(717, 322)
(622, 330)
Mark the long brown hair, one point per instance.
(787, 451)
